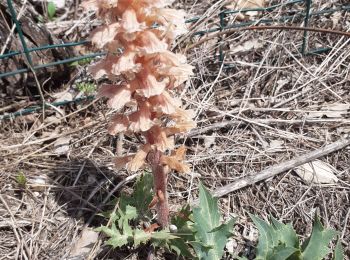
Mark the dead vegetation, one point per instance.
(268, 106)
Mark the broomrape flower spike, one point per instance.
(144, 76)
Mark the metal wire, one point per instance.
(69, 60)
(45, 47)
(34, 109)
(26, 51)
(223, 26)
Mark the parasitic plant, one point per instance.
(144, 76)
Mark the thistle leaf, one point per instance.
(277, 241)
(267, 238)
(183, 221)
(107, 231)
(201, 249)
(286, 233)
(316, 247)
(141, 197)
(130, 212)
(141, 236)
(210, 234)
(338, 251)
(282, 253)
(180, 248)
(163, 235)
(116, 238)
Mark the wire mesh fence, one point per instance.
(225, 24)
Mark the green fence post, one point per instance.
(306, 23)
(20, 32)
(222, 27)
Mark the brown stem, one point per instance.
(160, 180)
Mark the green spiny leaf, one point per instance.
(113, 217)
(163, 235)
(114, 228)
(171, 242)
(338, 251)
(225, 229)
(141, 197)
(179, 246)
(266, 238)
(316, 247)
(182, 220)
(107, 231)
(121, 234)
(201, 249)
(182, 217)
(286, 233)
(141, 236)
(121, 219)
(281, 252)
(207, 227)
(117, 240)
(130, 212)
(125, 216)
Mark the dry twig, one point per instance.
(281, 167)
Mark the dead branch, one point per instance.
(280, 168)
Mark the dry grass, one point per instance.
(271, 96)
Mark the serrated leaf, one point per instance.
(51, 10)
(117, 240)
(208, 229)
(316, 247)
(130, 212)
(141, 197)
(286, 233)
(107, 231)
(127, 230)
(276, 240)
(266, 238)
(141, 236)
(224, 229)
(281, 252)
(113, 217)
(180, 248)
(338, 251)
(162, 238)
(163, 235)
(182, 220)
(200, 248)
(124, 218)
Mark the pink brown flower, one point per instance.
(144, 75)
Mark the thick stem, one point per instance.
(160, 180)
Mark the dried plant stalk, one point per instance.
(160, 178)
(144, 76)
